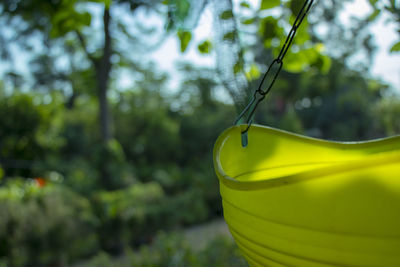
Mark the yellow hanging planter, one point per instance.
(291, 200)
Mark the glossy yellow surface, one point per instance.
(290, 200)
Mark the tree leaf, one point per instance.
(107, 3)
(267, 4)
(373, 2)
(268, 28)
(205, 47)
(302, 35)
(374, 15)
(238, 67)
(184, 37)
(85, 19)
(248, 21)
(245, 4)
(295, 6)
(182, 9)
(326, 65)
(253, 73)
(395, 47)
(227, 14)
(229, 36)
(295, 62)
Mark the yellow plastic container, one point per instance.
(291, 200)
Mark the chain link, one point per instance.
(260, 94)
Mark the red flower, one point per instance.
(40, 181)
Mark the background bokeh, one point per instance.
(106, 157)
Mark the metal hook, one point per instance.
(251, 107)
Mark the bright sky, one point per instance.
(385, 66)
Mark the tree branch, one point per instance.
(84, 47)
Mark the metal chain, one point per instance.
(259, 94)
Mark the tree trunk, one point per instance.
(70, 104)
(103, 69)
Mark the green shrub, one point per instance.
(124, 214)
(167, 250)
(101, 259)
(133, 215)
(19, 122)
(44, 225)
(222, 252)
(387, 112)
(171, 250)
(185, 208)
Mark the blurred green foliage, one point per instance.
(131, 216)
(171, 250)
(161, 161)
(68, 196)
(49, 225)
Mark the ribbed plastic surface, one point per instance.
(290, 200)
